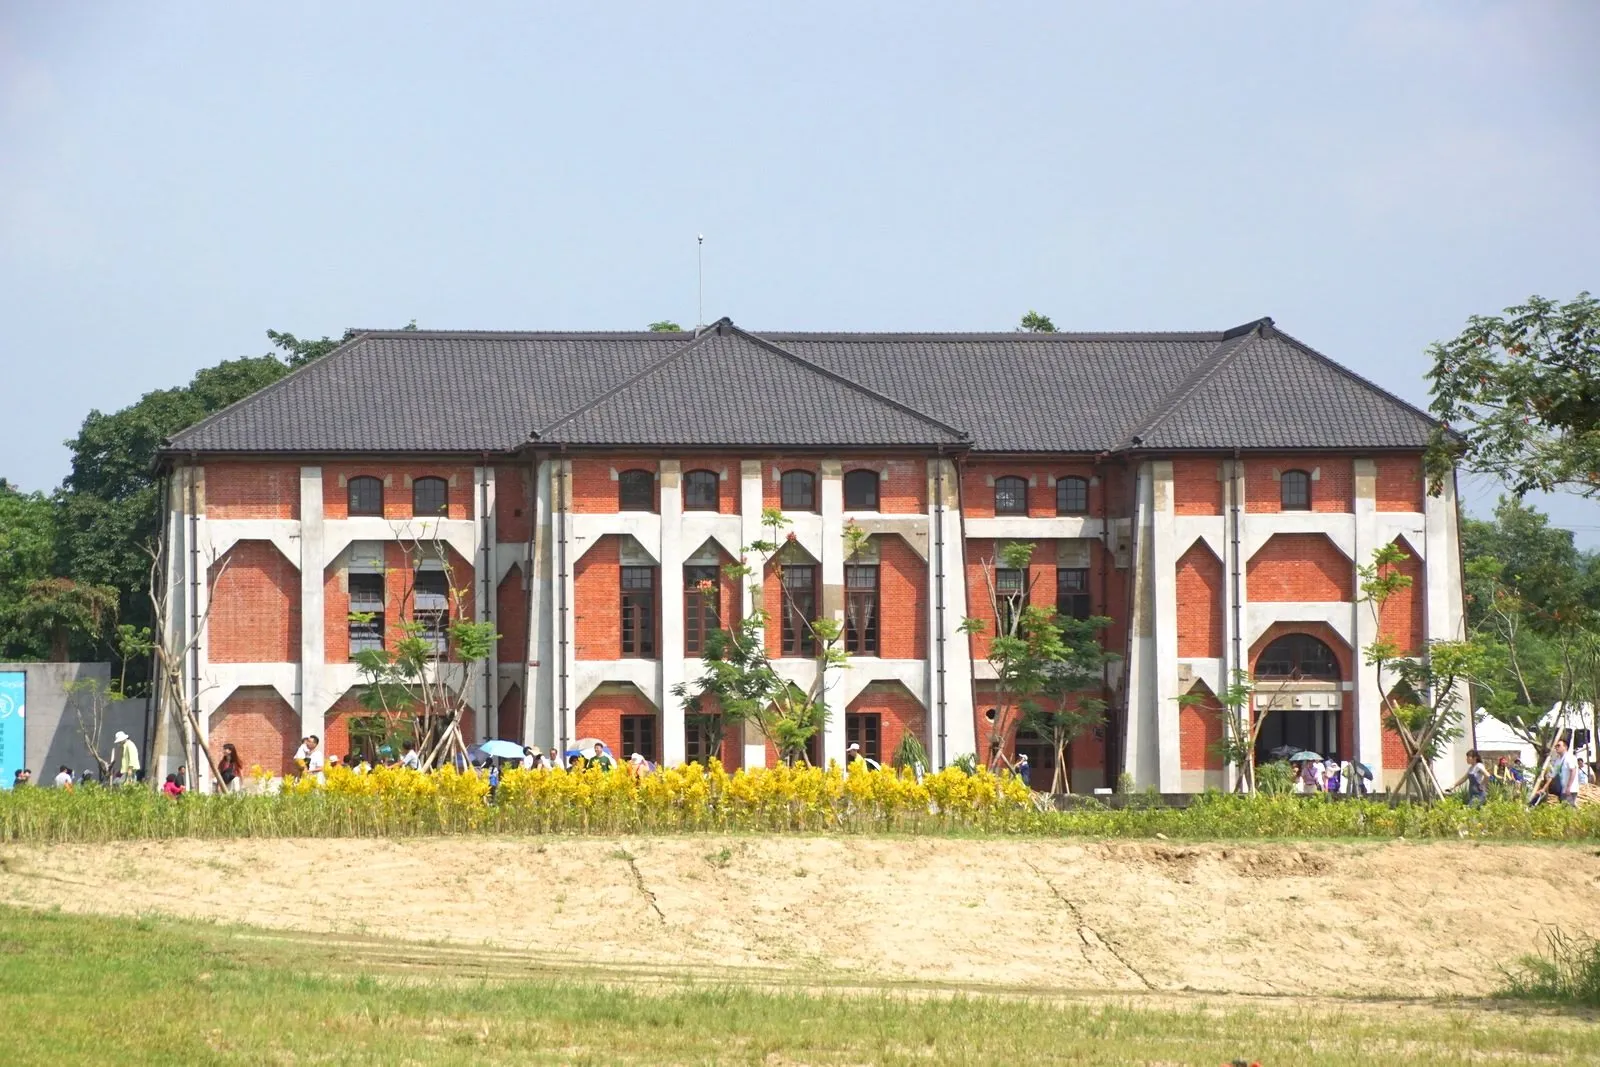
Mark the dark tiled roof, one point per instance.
(421, 391)
(729, 388)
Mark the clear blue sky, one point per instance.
(177, 178)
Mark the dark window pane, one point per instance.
(697, 738)
(639, 612)
(799, 490)
(430, 596)
(636, 491)
(366, 496)
(700, 491)
(639, 735)
(1011, 591)
(861, 610)
(701, 608)
(865, 729)
(1072, 496)
(430, 496)
(799, 608)
(1010, 496)
(1298, 656)
(366, 592)
(1296, 489)
(861, 491)
(1072, 592)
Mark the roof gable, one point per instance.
(728, 387)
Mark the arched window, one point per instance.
(1298, 656)
(1010, 496)
(430, 496)
(366, 496)
(1072, 496)
(636, 491)
(700, 491)
(799, 489)
(1295, 490)
(861, 491)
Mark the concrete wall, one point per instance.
(51, 733)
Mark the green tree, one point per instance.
(27, 556)
(1064, 710)
(665, 326)
(62, 609)
(738, 674)
(1522, 392)
(1033, 322)
(297, 353)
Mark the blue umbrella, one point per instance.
(501, 749)
(1304, 757)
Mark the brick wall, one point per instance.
(1197, 486)
(255, 606)
(902, 600)
(728, 470)
(1332, 488)
(397, 478)
(1401, 618)
(1041, 574)
(252, 491)
(900, 712)
(902, 483)
(594, 490)
(1200, 731)
(513, 504)
(261, 725)
(978, 477)
(1341, 653)
(336, 723)
(511, 611)
(601, 716)
(1199, 602)
(597, 601)
(1400, 483)
(511, 715)
(1299, 567)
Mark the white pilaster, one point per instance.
(831, 489)
(1364, 624)
(538, 707)
(1164, 556)
(671, 552)
(314, 697)
(750, 503)
(947, 553)
(1445, 616)
(1142, 731)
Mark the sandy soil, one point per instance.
(1381, 919)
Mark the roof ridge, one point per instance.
(1021, 337)
(167, 443)
(1225, 353)
(716, 329)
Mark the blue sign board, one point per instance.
(13, 686)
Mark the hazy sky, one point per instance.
(177, 178)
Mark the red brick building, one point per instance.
(1211, 493)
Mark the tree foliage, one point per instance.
(1034, 322)
(1522, 391)
(27, 556)
(1064, 708)
(665, 326)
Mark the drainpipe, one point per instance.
(485, 582)
(1120, 726)
(559, 500)
(1234, 569)
(194, 614)
(529, 577)
(938, 604)
(1107, 562)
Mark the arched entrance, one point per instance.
(1298, 691)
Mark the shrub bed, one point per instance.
(696, 799)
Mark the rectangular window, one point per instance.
(430, 605)
(865, 730)
(639, 612)
(702, 612)
(697, 740)
(861, 610)
(639, 735)
(366, 597)
(799, 608)
(1010, 593)
(1072, 592)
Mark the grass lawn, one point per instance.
(85, 989)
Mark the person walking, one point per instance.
(230, 770)
(1476, 779)
(409, 760)
(64, 778)
(125, 758)
(1024, 770)
(1561, 781)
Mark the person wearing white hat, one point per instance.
(125, 757)
(853, 753)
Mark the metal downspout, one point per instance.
(558, 483)
(194, 614)
(938, 608)
(485, 581)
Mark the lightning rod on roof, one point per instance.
(700, 277)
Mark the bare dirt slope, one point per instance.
(1391, 918)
